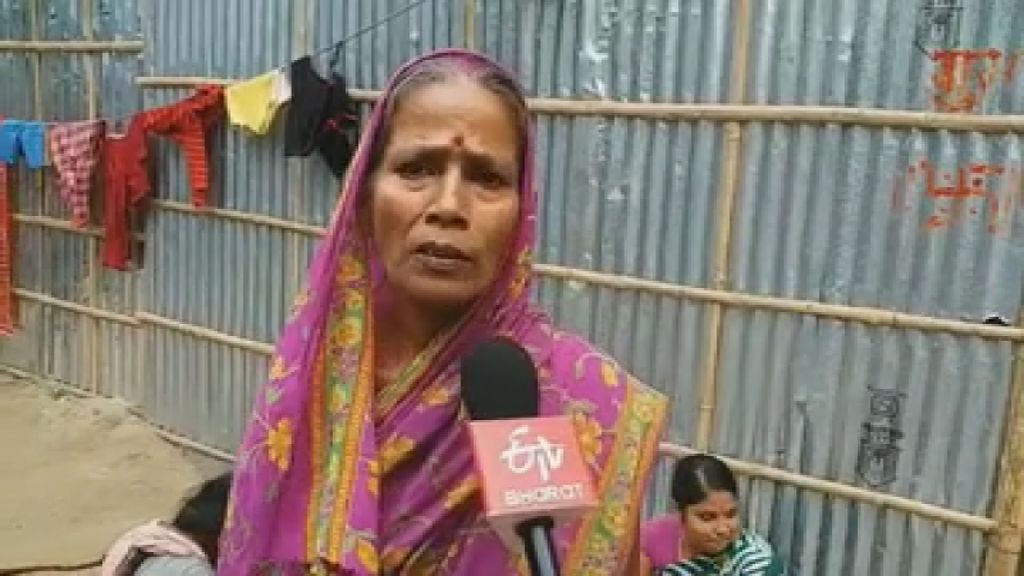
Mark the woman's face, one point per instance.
(711, 525)
(445, 194)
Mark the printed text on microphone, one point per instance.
(543, 457)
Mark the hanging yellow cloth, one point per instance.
(253, 103)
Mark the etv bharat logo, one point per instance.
(542, 455)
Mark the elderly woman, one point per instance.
(355, 460)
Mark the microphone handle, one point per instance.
(540, 548)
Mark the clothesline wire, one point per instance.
(368, 28)
(335, 46)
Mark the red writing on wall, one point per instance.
(977, 189)
(963, 78)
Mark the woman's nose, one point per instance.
(447, 208)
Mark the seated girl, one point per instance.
(704, 537)
(186, 546)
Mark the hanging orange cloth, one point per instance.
(187, 123)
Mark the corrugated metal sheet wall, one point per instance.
(815, 218)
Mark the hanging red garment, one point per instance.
(126, 186)
(125, 170)
(187, 123)
(7, 309)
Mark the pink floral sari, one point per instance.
(662, 540)
(335, 477)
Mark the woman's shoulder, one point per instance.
(660, 538)
(659, 525)
(572, 359)
(585, 375)
(752, 555)
(755, 555)
(750, 540)
(175, 566)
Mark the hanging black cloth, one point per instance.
(321, 116)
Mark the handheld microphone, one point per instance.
(531, 470)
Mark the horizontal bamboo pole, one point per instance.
(65, 226)
(870, 316)
(874, 117)
(56, 224)
(358, 94)
(16, 372)
(246, 217)
(864, 315)
(181, 81)
(206, 333)
(144, 317)
(670, 111)
(910, 506)
(742, 467)
(140, 317)
(188, 443)
(72, 46)
(83, 309)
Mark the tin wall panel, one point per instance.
(843, 215)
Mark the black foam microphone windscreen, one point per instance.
(499, 381)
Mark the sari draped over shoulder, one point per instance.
(749, 555)
(661, 539)
(335, 476)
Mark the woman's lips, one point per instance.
(442, 250)
(441, 257)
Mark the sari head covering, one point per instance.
(335, 476)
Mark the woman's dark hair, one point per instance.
(697, 476)
(481, 72)
(202, 514)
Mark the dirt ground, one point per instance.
(75, 473)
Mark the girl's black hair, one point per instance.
(698, 475)
(202, 514)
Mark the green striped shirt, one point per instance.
(749, 555)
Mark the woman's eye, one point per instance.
(413, 170)
(491, 179)
(486, 176)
